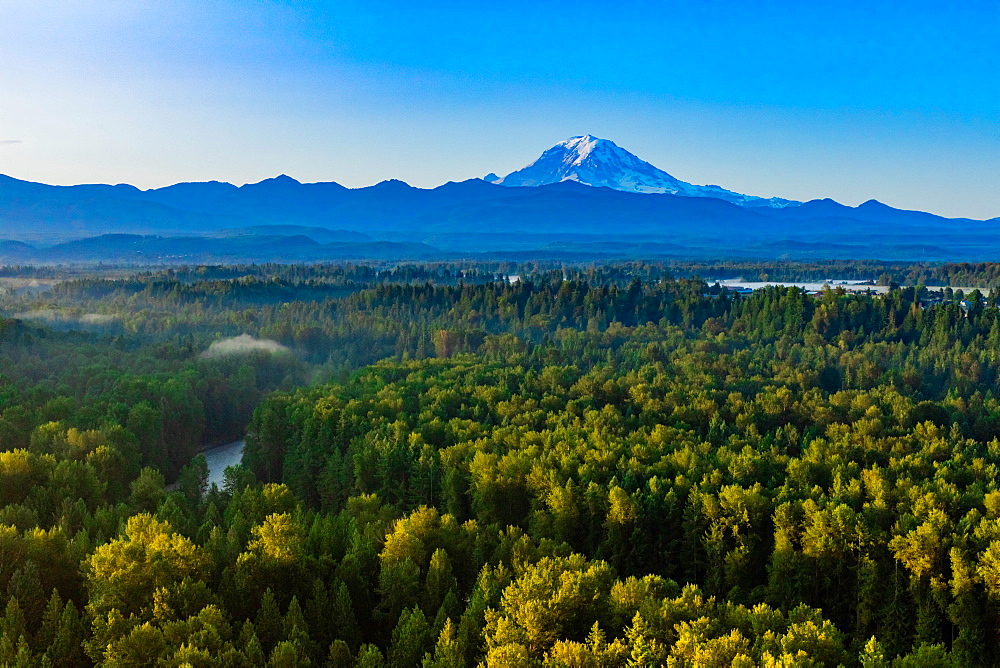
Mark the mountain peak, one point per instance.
(391, 185)
(601, 162)
(280, 180)
(595, 162)
(874, 204)
(583, 145)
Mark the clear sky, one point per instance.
(897, 101)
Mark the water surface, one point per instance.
(220, 457)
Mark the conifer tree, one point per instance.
(447, 650)
(269, 624)
(410, 639)
(12, 632)
(369, 656)
(339, 655)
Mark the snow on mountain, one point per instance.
(601, 162)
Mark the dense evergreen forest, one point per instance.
(499, 465)
(965, 274)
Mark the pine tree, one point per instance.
(450, 609)
(23, 658)
(50, 622)
(339, 655)
(398, 588)
(269, 624)
(643, 650)
(447, 651)
(485, 595)
(342, 616)
(250, 644)
(12, 631)
(295, 628)
(410, 638)
(440, 580)
(873, 655)
(317, 614)
(289, 654)
(369, 656)
(26, 586)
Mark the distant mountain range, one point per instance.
(584, 197)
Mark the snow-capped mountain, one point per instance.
(600, 162)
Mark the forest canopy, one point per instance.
(460, 465)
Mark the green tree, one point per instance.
(124, 573)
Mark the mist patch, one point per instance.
(242, 345)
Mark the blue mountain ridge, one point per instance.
(467, 217)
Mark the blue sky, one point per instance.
(898, 101)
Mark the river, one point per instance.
(811, 286)
(220, 457)
(816, 286)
